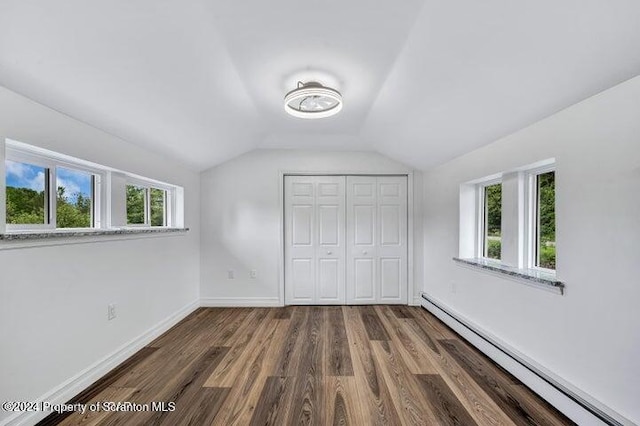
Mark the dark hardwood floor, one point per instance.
(344, 365)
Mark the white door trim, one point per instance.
(410, 221)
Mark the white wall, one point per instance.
(240, 213)
(53, 300)
(591, 335)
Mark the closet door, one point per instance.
(361, 239)
(314, 240)
(392, 239)
(376, 239)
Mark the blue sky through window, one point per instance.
(74, 183)
(23, 175)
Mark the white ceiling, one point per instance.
(423, 80)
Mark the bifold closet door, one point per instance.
(314, 240)
(376, 239)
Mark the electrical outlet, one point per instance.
(111, 311)
(253, 274)
(231, 274)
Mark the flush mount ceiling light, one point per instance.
(312, 100)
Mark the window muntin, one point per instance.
(75, 198)
(544, 232)
(491, 236)
(27, 187)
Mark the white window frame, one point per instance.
(169, 202)
(108, 194)
(99, 177)
(51, 164)
(532, 220)
(49, 207)
(481, 218)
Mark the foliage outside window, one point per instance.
(146, 206)
(136, 205)
(74, 198)
(158, 210)
(26, 193)
(492, 221)
(545, 246)
(29, 196)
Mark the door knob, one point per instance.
(328, 251)
(364, 252)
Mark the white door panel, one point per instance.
(390, 278)
(391, 189)
(302, 279)
(391, 225)
(363, 189)
(362, 281)
(302, 223)
(361, 239)
(314, 236)
(376, 237)
(364, 225)
(329, 282)
(330, 222)
(330, 189)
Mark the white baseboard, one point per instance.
(525, 370)
(224, 302)
(76, 384)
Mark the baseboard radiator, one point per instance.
(569, 401)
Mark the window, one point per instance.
(158, 207)
(507, 223)
(544, 223)
(27, 193)
(146, 206)
(45, 193)
(136, 205)
(75, 198)
(491, 229)
(46, 190)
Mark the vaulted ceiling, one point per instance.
(423, 80)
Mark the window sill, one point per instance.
(12, 239)
(539, 279)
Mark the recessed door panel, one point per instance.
(390, 225)
(390, 278)
(329, 281)
(364, 280)
(328, 189)
(363, 225)
(302, 279)
(302, 189)
(302, 225)
(390, 189)
(329, 224)
(363, 189)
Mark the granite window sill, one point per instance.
(536, 278)
(30, 238)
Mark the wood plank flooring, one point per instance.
(320, 365)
